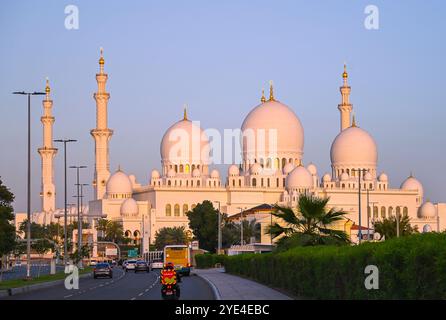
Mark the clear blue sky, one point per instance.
(216, 56)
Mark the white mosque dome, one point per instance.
(196, 173)
(185, 142)
(233, 170)
(411, 183)
(215, 174)
(354, 147)
(427, 210)
(255, 168)
(345, 176)
(288, 168)
(299, 178)
(326, 178)
(119, 184)
(383, 177)
(155, 174)
(171, 173)
(129, 207)
(312, 169)
(262, 120)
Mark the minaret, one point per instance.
(101, 134)
(47, 153)
(345, 106)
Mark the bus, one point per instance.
(180, 256)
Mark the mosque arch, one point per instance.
(375, 212)
(383, 212)
(276, 163)
(185, 209)
(187, 169)
(398, 211)
(283, 162)
(254, 182)
(176, 210)
(390, 211)
(405, 211)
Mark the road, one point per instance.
(123, 286)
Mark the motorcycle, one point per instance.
(170, 292)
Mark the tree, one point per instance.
(41, 246)
(203, 221)
(309, 226)
(387, 227)
(77, 255)
(114, 232)
(166, 236)
(102, 227)
(7, 229)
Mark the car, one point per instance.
(102, 269)
(18, 263)
(93, 263)
(141, 265)
(130, 265)
(157, 264)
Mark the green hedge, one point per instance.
(208, 260)
(412, 267)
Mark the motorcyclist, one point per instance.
(169, 277)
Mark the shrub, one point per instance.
(411, 267)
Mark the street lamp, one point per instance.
(79, 221)
(65, 248)
(28, 209)
(373, 214)
(360, 171)
(241, 224)
(219, 228)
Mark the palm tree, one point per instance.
(387, 227)
(102, 227)
(310, 226)
(170, 235)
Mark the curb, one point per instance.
(215, 291)
(34, 287)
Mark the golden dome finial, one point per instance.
(353, 120)
(345, 74)
(101, 59)
(47, 88)
(263, 99)
(185, 112)
(271, 91)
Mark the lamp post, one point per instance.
(28, 207)
(241, 225)
(359, 171)
(219, 229)
(397, 222)
(79, 221)
(65, 248)
(373, 214)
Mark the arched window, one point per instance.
(233, 183)
(343, 186)
(383, 212)
(127, 234)
(261, 182)
(398, 211)
(277, 182)
(268, 183)
(192, 207)
(375, 212)
(268, 163)
(176, 210)
(283, 162)
(193, 167)
(390, 211)
(176, 168)
(405, 211)
(185, 209)
(198, 183)
(290, 160)
(181, 168)
(254, 182)
(187, 169)
(276, 163)
(261, 162)
(239, 182)
(168, 210)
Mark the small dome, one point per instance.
(345, 176)
(233, 170)
(288, 168)
(119, 183)
(427, 210)
(215, 174)
(368, 176)
(427, 228)
(412, 183)
(196, 173)
(255, 168)
(155, 174)
(354, 147)
(383, 177)
(326, 178)
(299, 178)
(171, 173)
(312, 169)
(129, 207)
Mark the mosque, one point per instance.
(270, 172)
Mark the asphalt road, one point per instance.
(123, 286)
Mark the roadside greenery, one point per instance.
(387, 227)
(167, 236)
(7, 229)
(410, 267)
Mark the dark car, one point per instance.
(102, 270)
(142, 266)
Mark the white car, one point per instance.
(157, 264)
(130, 265)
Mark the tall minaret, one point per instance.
(345, 107)
(101, 134)
(47, 153)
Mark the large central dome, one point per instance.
(272, 136)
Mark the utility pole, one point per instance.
(28, 207)
(79, 220)
(65, 252)
(219, 228)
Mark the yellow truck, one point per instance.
(180, 256)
